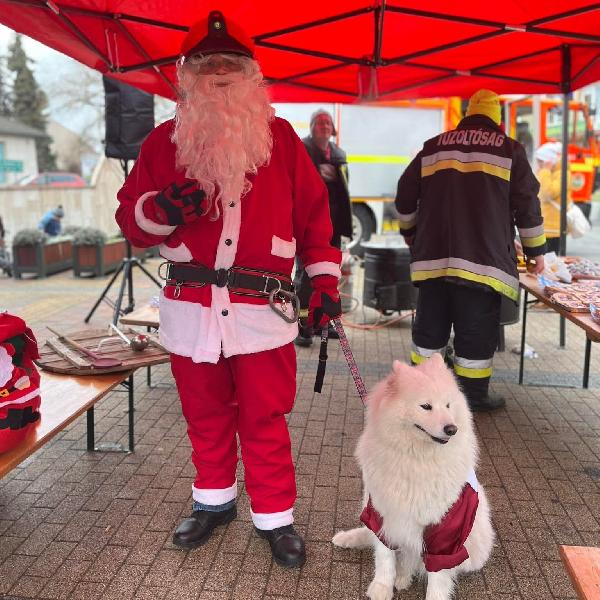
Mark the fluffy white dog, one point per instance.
(425, 512)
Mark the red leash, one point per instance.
(358, 381)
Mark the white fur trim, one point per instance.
(232, 220)
(203, 332)
(145, 223)
(215, 497)
(268, 521)
(179, 253)
(35, 392)
(283, 248)
(323, 268)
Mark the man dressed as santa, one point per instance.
(230, 194)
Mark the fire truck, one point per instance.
(379, 140)
(534, 120)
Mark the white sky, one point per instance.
(49, 68)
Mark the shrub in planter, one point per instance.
(95, 254)
(71, 230)
(88, 236)
(35, 252)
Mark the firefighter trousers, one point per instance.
(248, 395)
(475, 315)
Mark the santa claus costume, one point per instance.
(229, 193)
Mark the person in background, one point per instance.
(50, 223)
(459, 201)
(230, 194)
(525, 138)
(331, 163)
(548, 159)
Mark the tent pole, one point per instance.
(566, 89)
(564, 166)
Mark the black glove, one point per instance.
(178, 205)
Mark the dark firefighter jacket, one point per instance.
(339, 196)
(461, 198)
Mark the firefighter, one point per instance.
(459, 202)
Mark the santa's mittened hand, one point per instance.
(324, 304)
(180, 204)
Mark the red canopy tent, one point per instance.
(338, 51)
(341, 51)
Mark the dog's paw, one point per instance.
(353, 538)
(402, 581)
(379, 591)
(344, 539)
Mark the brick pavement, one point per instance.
(82, 525)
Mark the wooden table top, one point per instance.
(64, 398)
(146, 316)
(583, 566)
(584, 320)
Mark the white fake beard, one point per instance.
(222, 132)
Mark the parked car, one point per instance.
(54, 179)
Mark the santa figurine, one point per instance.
(19, 381)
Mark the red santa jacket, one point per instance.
(443, 542)
(285, 213)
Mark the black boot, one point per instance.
(196, 529)
(287, 547)
(486, 403)
(332, 333)
(304, 337)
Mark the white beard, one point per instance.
(222, 132)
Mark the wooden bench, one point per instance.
(583, 566)
(64, 398)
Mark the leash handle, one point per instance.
(358, 381)
(322, 360)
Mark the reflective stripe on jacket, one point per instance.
(461, 198)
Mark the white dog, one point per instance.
(418, 453)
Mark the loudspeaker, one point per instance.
(129, 115)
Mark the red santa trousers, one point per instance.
(247, 394)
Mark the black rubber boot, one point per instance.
(332, 333)
(487, 403)
(304, 339)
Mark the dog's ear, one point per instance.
(400, 368)
(434, 364)
(437, 360)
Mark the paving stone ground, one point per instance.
(87, 526)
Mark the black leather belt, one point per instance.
(234, 278)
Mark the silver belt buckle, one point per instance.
(276, 290)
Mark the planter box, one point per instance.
(101, 259)
(43, 259)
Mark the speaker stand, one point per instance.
(126, 271)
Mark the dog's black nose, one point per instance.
(450, 429)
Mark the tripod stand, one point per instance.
(126, 269)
